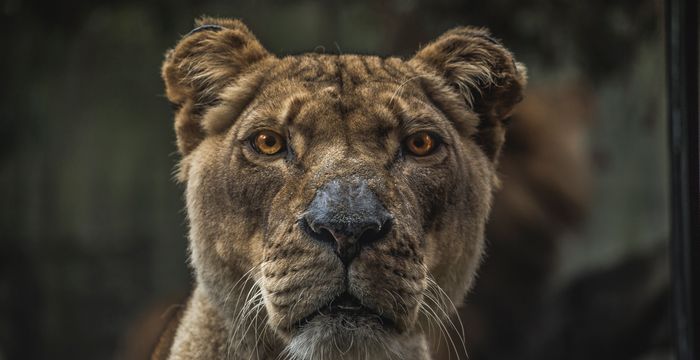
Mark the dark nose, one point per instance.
(346, 215)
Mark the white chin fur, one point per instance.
(338, 337)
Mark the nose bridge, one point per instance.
(338, 158)
(346, 202)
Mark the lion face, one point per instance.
(342, 197)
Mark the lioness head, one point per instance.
(339, 199)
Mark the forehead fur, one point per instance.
(388, 91)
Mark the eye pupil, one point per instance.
(269, 140)
(421, 144)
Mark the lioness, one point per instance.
(336, 203)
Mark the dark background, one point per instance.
(92, 228)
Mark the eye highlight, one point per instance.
(268, 142)
(421, 143)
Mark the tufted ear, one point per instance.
(483, 73)
(213, 55)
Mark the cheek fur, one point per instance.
(252, 190)
(434, 188)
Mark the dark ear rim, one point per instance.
(207, 27)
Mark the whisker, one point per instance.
(454, 309)
(401, 86)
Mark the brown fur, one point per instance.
(161, 350)
(257, 274)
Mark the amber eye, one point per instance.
(268, 142)
(421, 143)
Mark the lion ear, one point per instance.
(215, 53)
(483, 73)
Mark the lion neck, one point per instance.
(204, 333)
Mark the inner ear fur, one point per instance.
(216, 54)
(483, 73)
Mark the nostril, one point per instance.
(325, 235)
(320, 234)
(375, 233)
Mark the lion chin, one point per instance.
(343, 328)
(347, 335)
(342, 336)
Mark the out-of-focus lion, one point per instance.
(336, 203)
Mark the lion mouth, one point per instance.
(350, 310)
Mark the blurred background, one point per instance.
(92, 228)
